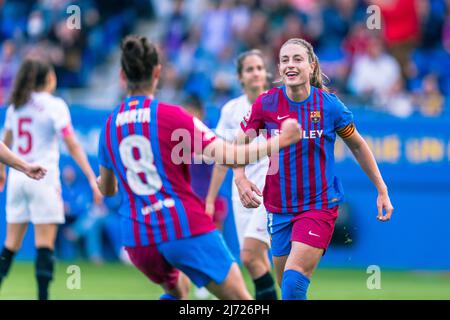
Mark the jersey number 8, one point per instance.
(138, 165)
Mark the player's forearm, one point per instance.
(218, 175)
(367, 161)
(234, 155)
(78, 154)
(10, 159)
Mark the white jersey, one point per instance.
(229, 125)
(36, 128)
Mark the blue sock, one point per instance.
(294, 285)
(167, 296)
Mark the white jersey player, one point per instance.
(35, 122)
(251, 224)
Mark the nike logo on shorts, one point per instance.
(313, 234)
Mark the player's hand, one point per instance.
(98, 197)
(383, 202)
(210, 207)
(35, 171)
(291, 132)
(2, 178)
(246, 190)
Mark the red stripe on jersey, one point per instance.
(311, 150)
(126, 186)
(137, 238)
(287, 178)
(323, 156)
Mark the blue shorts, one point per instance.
(202, 258)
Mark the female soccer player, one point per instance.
(145, 147)
(251, 224)
(34, 122)
(302, 198)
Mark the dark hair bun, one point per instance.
(139, 57)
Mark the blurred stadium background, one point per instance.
(396, 81)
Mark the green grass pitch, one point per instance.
(118, 281)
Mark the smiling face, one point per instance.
(295, 67)
(254, 74)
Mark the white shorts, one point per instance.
(37, 201)
(250, 223)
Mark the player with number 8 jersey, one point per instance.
(144, 153)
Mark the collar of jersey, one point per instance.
(311, 92)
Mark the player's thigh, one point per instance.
(45, 202)
(16, 199)
(279, 264)
(303, 258)
(255, 254)
(232, 288)
(242, 217)
(45, 235)
(257, 227)
(15, 233)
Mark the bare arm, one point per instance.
(107, 182)
(7, 157)
(80, 158)
(218, 175)
(367, 161)
(234, 155)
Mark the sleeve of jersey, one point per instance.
(343, 122)
(200, 135)
(103, 156)
(62, 120)
(253, 121)
(223, 129)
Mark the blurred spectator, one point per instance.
(401, 30)
(429, 100)
(8, 66)
(396, 101)
(374, 73)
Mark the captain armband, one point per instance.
(346, 131)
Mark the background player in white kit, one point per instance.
(34, 122)
(251, 224)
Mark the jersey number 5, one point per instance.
(137, 156)
(26, 134)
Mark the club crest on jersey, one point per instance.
(133, 103)
(315, 116)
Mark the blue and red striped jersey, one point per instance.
(301, 177)
(143, 143)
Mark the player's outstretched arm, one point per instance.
(80, 158)
(234, 155)
(107, 182)
(367, 161)
(7, 157)
(218, 175)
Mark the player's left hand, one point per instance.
(383, 202)
(98, 197)
(35, 171)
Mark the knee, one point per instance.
(13, 244)
(251, 260)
